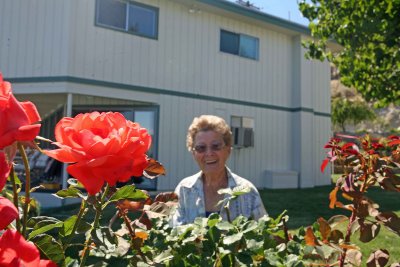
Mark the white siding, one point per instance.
(33, 38)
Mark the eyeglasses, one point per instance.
(203, 148)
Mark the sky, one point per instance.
(286, 9)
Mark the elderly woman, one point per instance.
(209, 139)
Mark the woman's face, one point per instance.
(210, 152)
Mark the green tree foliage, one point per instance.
(369, 33)
(344, 111)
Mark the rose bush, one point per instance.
(105, 148)
(101, 149)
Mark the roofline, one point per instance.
(258, 15)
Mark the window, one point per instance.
(239, 44)
(243, 131)
(130, 17)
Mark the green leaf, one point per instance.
(224, 225)
(337, 219)
(227, 260)
(229, 240)
(70, 262)
(39, 221)
(293, 261)
(214, 234)
(213, 219)
(68, 226)
(108, 244)
(325, 251)
(16, 179)
(163, 257)
(254, 245)
(44, 229)
(200, 222)
(225, 191)
(240, 190)
(272, 258)
(244, 258)
(72, 192)
(250, 226)
(127, 192)
(235, 192)
(50, 247)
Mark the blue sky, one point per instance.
(286, 9)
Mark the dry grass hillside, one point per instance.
(388, 119)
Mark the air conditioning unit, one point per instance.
(243, 137)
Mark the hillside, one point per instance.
(387, 120)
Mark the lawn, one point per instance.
(305, 206)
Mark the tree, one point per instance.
(369, 35)
(344, 111)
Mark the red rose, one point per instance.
(5, 168)
(16, 251)
(17, 119)
(104, 147)
(8, 212)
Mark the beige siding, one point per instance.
(33, 39)
(185, 58)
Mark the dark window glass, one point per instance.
(132, 17)
(239, 44)
(112, 13)
(229, 42)
(142, 21)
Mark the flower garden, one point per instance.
(104, 149)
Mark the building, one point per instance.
(163, 62)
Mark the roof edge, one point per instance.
(258, 15)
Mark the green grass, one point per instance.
(305, 206)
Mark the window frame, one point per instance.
(240, 36)
(154, 9)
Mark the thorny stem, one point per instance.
(128, 224)
(15, 195)
(122, 213)
(27, 186)
(285, 230)
(228, 214)
(365, 170)
(347, 237)
(99, 208)
(78, 219)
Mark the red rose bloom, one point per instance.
(15, 251)
(8, 212)
(104, 147)
(17, 119)
(5, 168)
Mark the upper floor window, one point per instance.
(239, 44)
(129, 16)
